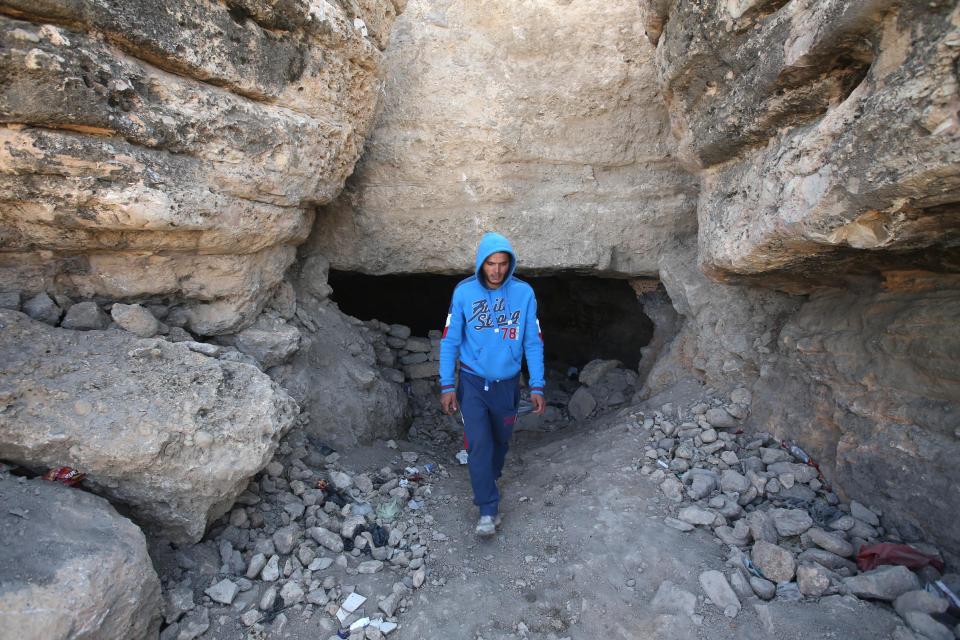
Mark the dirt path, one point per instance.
(581, 553)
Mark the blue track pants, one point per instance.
(489, 412)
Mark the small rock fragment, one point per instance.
(717, 588)
(135, 319)
(223, 592)
(883, 583)
(776, 563)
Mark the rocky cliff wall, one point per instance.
(538, 119)
(174, 150)
(827, 137)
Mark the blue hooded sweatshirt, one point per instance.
(489, 330)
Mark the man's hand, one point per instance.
(539, 404)
(448, 402)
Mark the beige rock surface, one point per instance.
(72, 567)
(334, 375)
(868, 382)
(828, 132)
(827, 136)
(169, 433)
(176, 149)
(538, 119)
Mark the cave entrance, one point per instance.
(582, 317)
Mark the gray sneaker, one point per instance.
(486, 527)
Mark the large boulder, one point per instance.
(176, 149)
(538, 119)
(171, 434)
(72, 567)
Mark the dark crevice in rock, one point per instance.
(582, 317)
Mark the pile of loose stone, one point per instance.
(269, 341)
(789, 535)
(87, 315)
(605, 385)
(308, 540)
(414, 361)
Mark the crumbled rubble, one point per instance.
(268, 342)
(312, 541)
(790, 536)
(606, 385)
(413, 361)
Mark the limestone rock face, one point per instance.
(537, 119)
(72, 567)
(334, 375)
(828, 131)
(867, 381)
(726, 330)
(170, 434)
(827, 139)
(175, 150)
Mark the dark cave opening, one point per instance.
(582, 317)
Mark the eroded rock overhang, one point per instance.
(176, 150)
(828, 134)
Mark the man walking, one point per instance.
(492, 323)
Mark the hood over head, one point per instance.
(491, 243)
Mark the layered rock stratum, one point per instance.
(787, 171)
(827, 131)
(174, 150)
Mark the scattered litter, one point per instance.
(663, 464)
(415, 504)
(64, 475)
(359, 624)
(362, 509)
(387, 511)
(335, 497)
(796, 452)
(462, 456)
(805, 458)
(353, 602)
(379, 534)
(752, 568)
(872, 556)
(950, 594)
(430, 467)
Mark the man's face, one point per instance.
(495, 268)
